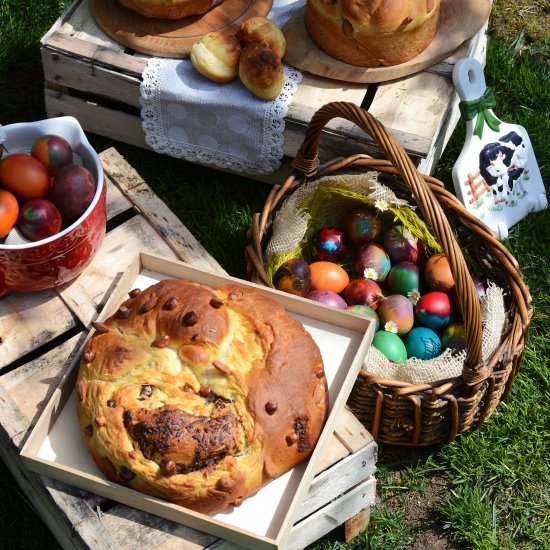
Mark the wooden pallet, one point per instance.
(40, 333)
(92, 77)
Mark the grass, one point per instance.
(488, 489)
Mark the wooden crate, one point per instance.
(40, 334)
(92, 77)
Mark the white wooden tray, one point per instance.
(55, 447)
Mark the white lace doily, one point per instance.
(187, 116)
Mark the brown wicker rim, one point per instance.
(399, 412)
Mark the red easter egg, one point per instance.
(39, 219)
(25, 176)
(364, 292)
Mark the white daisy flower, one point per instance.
(381, 205)
(370, 273)
(413, 295)
(390, 326)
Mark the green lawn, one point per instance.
(488, 489)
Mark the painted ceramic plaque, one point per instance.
(496, 175)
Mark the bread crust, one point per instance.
(371, 33)
(216, 56)
(200, 396)
(261, 70)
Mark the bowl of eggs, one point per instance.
(52, 204)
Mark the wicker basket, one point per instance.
(396, 412)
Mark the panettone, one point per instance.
(200, 396)
(371, 33)
(170, 9)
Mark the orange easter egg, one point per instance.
(328, 276)
(437, 274)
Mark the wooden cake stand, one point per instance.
(166, 37)
(458, 21)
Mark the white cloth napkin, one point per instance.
(187, 116)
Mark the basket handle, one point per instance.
(307, 162)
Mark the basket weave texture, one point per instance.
(397, 412)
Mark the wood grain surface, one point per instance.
(171, 38)
(458, 22)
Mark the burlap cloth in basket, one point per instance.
(294, 224)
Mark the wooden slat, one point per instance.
(23, 329)
(155, 211)
(82, 25)
(90, 291)
(134, 529)
(351, 432)
(115, 201)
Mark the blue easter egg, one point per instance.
(390, 345)
(423, 343)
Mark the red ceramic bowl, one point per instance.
(26, 266)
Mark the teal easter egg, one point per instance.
(400, 244)
(372, 262)
(403, 277)
(361, 225)
(454, 337)
(423, 343)
(366, 311)
(294, 276)
(396, 314)
(433, 310)
(390, 345)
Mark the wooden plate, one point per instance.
(458, 22)
(171, 38)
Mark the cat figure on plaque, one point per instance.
(496, 175)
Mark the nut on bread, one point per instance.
(200, 396)
(216, 56)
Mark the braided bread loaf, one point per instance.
(200, 396)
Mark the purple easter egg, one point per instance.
(481, 293)
(423, 343)
(330, 244)
(433, 310)
(361, 225)
(372, 262)
(396, 314)
(454, 337)
(404, 277)
(400, 244)
(365, 311)
(294, 276)
(328, 298)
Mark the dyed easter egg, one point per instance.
(433, 310)
(328, 276)
(481, 293)
(39, 219)
(437, 274)
(390, 345)
(400, 244)
(330, 244)
(365, 311)
(54, 151)
(454, 337)
(328, 298)
(294, 276)
(363, 292)
(423, 343)
(396, 314)
(404, 277)
(372, 262)
(361, 225)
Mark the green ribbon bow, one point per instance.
(479, 107)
